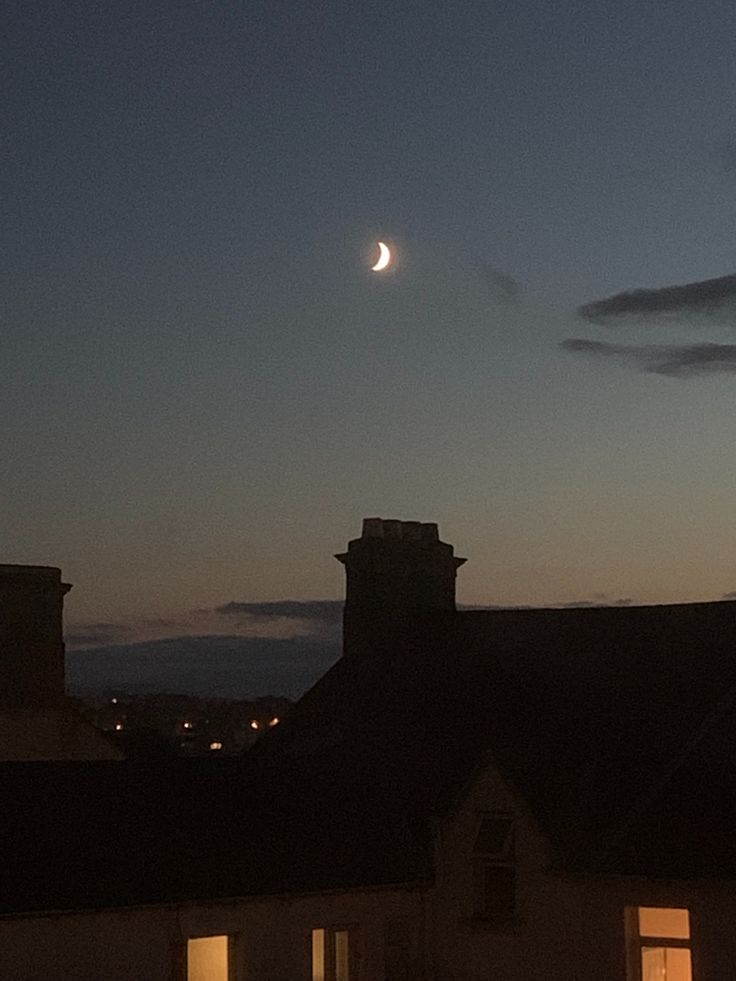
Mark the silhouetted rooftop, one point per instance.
(617, 726)
(589, 713)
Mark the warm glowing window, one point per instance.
(331, 954)
(661, 944)
(494, 868)
(208, 958)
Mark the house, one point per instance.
(465, 796)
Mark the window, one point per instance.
(331, 955)
(660, 944)
(494, 868)
(208, 958)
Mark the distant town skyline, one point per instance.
(204, 388)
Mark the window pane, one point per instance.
(665, 964)
(207, 959)
(657, 922)
(341, 956)
(652, 964)
(318, 955)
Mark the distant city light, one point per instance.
(188, 725)
(113, 701)
(118, 726)
(274, 721)
(215, 745)
(255, 724)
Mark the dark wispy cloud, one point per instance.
(278, 619)
(502, 287)
(712, 299)
(598, 599)
(672, 360)
(324, 611)
(98, 634)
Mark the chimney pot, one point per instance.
(372, 528)
(412, 531)
(392, 530)
(430, 531)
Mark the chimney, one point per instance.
(31, 639)
(395, 569)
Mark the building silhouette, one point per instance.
(37, 719)
(465, 795)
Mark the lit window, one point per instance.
(331, 954)
(659, 944)
(494, 868)
(274, 721)
(215, 745)
(208, 958)
(255, 724)
(118, 726)
(188, 725)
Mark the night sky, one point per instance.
(204, 388)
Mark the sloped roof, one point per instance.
(589, 713)
(616, 726)
(100, 835)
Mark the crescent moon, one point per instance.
(383, 259)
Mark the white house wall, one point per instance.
(272, 938)
(568, 928)
(543, 941)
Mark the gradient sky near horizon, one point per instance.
(203, 387)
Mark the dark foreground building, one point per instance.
(516, 795)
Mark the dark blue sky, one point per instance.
(204, 389)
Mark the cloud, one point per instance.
(672, 360)
(714, 299)
(503, 288)
(228, 666)
(323, 611)
(97, 634)
(598, 599)
(279, 619)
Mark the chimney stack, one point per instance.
(395, 569)
(31, 638)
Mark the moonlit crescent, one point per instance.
(383, 259)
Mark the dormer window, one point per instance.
(494, 868)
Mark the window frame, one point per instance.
(504, 858)
(330, 932)
(637, 941)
